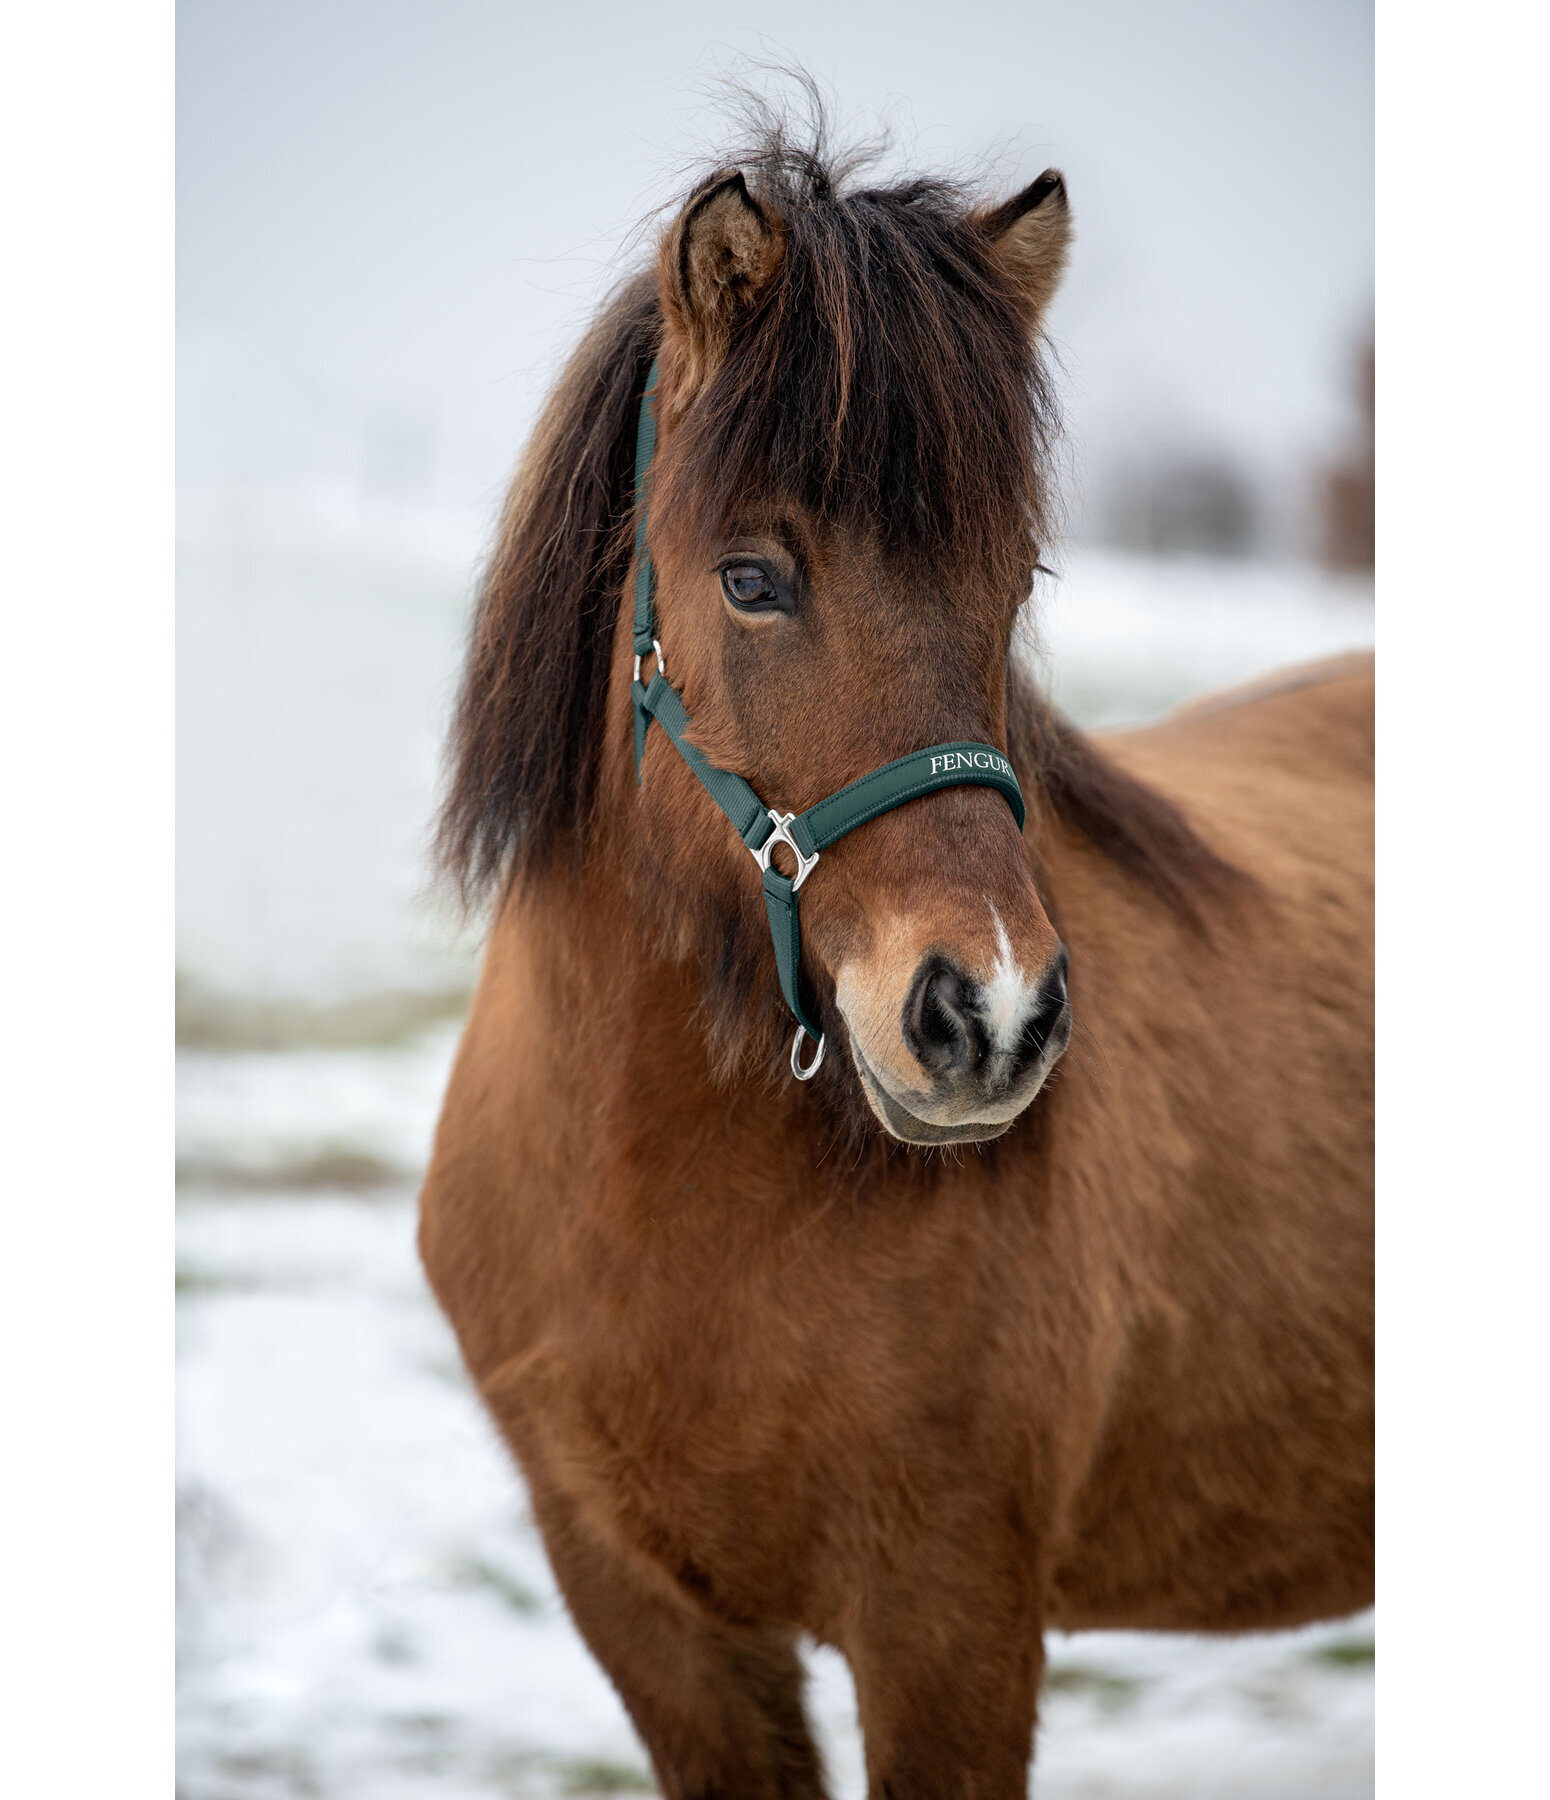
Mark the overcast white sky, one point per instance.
(394, 216)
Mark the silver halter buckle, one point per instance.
(656, 650)
(782, 835)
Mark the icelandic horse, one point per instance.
(785, 1358)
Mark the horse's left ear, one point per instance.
(1032, 234)
(716, 262)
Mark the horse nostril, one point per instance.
(1050, 1015)
(941, 1028)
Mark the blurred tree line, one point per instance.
(1347, 514)
(1173, 498)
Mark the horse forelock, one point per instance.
(885, 384)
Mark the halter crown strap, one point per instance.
(808, 834)
(645, 576)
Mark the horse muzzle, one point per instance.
(964, 1054)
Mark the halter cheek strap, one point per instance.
(761, 827)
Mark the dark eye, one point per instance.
(751, 588)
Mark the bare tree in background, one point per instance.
(1347, 498)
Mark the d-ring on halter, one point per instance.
(761, 827)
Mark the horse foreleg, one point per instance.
(718, 1706)
(947, 1678)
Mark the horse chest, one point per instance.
(758, 1429)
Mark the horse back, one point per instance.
(1308, 724)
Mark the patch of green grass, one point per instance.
(476, 1572)
(279, 1766)
(513, 1772)
(210, 1020)
(1347, 1653)
(426, 1724)
(589, 1775)
(188, 1281)
(351, 1169)
(1112, 1692)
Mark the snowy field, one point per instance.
(365, 1611)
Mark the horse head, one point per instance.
(846, 502)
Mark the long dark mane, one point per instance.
(887, 382)
(527, 734)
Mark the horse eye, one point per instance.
(749, 587)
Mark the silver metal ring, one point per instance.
(811, 1070)
(782, 835)
(656, 646)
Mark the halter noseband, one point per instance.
(761, 827)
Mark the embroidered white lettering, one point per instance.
(989, 760)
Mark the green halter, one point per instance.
(759, 826)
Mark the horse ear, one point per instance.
(716, 262)
(1032, 234)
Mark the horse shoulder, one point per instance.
(504, 1152)
(1218, 1105)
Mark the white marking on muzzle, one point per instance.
(1007, 996)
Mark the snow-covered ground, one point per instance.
(364, 1607)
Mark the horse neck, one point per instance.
(628, 1032)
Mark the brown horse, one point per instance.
(770, 1368)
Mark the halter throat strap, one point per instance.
(761, 827)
